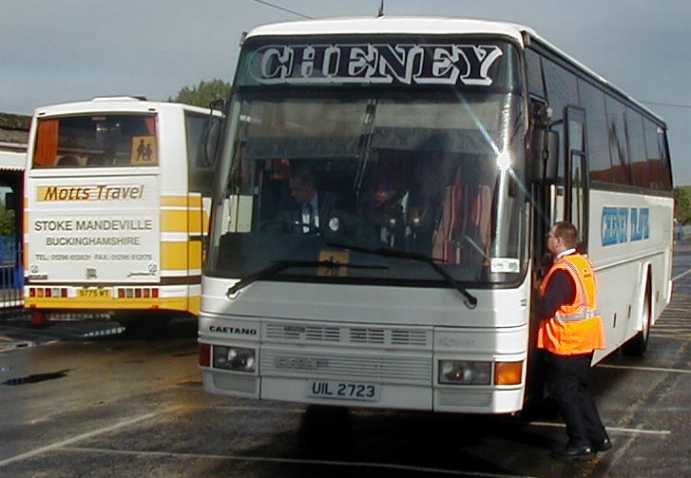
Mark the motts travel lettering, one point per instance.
(101, 192)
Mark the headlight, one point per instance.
(234, 358)
(457, 372)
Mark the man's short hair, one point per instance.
(567, 232)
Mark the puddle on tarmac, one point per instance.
(35, 378)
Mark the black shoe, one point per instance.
(603, 445)
(574, 453)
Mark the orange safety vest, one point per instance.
(576, 328)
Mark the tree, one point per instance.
(682, 204)
(203, 94)
(7, 221)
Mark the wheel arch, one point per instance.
(644, 287)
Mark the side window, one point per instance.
(666, 181)
(656, 157)
(593, 102)
(562, 90)
(618, 150)
(640, 171)
(534, 73)
(201, 168)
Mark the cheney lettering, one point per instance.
(448, 64)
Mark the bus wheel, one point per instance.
(638, 344)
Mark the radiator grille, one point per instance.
(300, 333)
(315, 334)
(366, 336)
(409, 337)
(416, 370)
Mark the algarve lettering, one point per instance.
(101, 192)
(623, 224)
(376, 63)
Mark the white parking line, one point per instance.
(77, 438)
(634, 431)
(679, 276)
(263, 459)
(646, 369)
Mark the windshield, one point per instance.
(96, 140)
(307, 172)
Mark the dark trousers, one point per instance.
(569, 381)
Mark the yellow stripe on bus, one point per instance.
(181, 201)
(184, 221)
(173, 221)
(195, 304)
(166, 303)
(181, 255)
(174, 255)
(194, 249)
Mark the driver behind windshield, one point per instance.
(314, 210)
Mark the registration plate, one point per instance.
(94, 293)
(368, 392)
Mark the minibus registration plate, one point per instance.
(343, 390)
(94, 293)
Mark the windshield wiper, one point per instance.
(469, 300)
(276, 267)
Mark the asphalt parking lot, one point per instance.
(118, 404)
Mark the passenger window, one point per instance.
(562, 90)
(640, 169)
(618, 149)
(593, 102)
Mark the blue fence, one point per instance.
(11, 273)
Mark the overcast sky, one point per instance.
(53, 51)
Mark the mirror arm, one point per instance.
(553, 124)
(217, 104)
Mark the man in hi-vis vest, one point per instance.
(570, 331)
